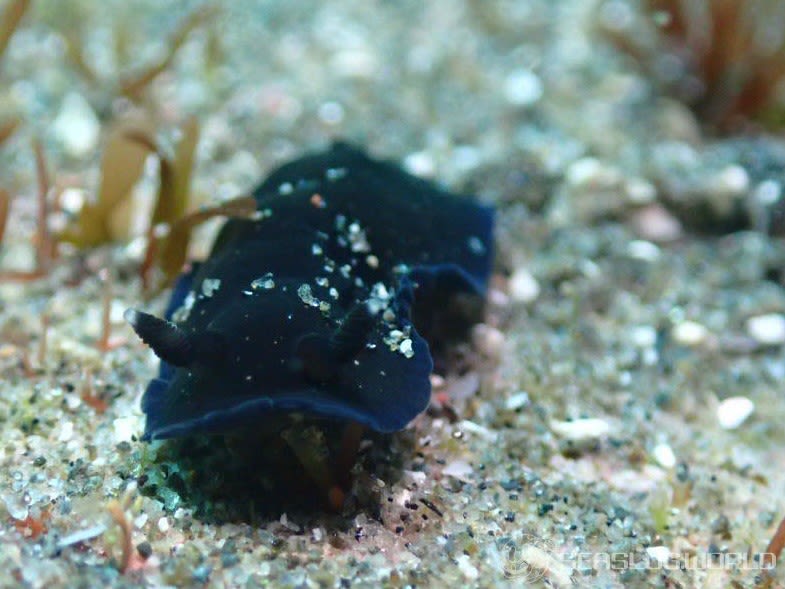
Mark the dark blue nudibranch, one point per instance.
(324, 304)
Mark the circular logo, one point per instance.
(526, 557)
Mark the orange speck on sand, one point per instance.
(96, 402)
(317, 201)
(32, 527)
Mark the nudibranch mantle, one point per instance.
(329, 302)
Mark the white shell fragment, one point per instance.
(734, 411)
(210, 286)
(581, 430)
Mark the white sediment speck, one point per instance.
(406, 348)
(664, 455)
(689, 333)
(734, 411)
(378, 299)
(334, 174)
(182, 313)
(581, 430)
(767, 329)
(476, 246)
(210, 286)
(306, 296)
(266, 282)
(524, 287)
(263, 214)
(163, 524)
(358, 239)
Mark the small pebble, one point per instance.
(734, 411)
(733, 180)
(524, 287)
(655, 223)
(517, 401)
(331, 113)
(584, 171)
(459, 469)
(768, 329)
(643, 336)
(659, 553)
(488, 340)
(689, 333)
(643, 250)
(163, 525)
(72, 200)
(640, 191)
(581, 430)
(768, 192)
(664, 455)
(144, 549)
(522, 88)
